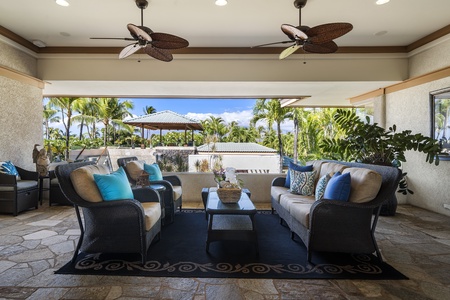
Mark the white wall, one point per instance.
(263, 163)
(258, 184)
(409, 109)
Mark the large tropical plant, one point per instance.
(370, 143)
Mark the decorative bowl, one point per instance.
(229, 195)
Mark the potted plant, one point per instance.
(369, 143)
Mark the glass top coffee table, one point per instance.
(230, 221)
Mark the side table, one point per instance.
(160, 189)
(41, 186)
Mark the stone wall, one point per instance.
(21, 109)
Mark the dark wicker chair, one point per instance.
(110, 226)
(168, 182)
(19, 195)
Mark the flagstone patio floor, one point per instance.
(37, 242)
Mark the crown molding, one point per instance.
(223, 50)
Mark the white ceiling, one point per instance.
(242, 23)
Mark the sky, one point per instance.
(240, 110)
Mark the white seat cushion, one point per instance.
(152, 211)
(177, 192)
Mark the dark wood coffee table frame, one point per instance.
(243, 208)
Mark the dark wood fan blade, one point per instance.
(283, 42)
(160, 54)
(328, 32)
(328, 47)
(128, 50)
(168, 41)
(138, 33)
(123, 39)
(293, 32)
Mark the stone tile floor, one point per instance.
(37, 242)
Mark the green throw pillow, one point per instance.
(114, 186)
(302, 183)
(154, 171)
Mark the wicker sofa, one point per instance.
(333, 225)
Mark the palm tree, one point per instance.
(86, 108)
(111, 111)
(295, 114)
(50, 116)
(66, 105)
(272, 112)
(215, 126)
(149, 110)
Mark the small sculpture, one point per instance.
(42, 163)
(35, 153)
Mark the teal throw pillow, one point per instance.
(295, 167)
(154, 172)
(8, 167)
(321, 185)
(338, 188)
(302, 183)
(114, 186)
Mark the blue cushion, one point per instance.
(295, 167)
(7, 167)
(338, 187)
(153, 171)
(114, 186)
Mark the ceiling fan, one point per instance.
(318, 39)
(155, 44)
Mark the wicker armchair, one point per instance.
(172, 194)
(19, 195)
(110, 226)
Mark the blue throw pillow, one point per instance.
(295, 167)
(114, 186)
(154, 172)
(338, 187)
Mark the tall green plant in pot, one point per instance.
(369, 143)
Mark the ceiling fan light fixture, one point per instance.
(381, 2)
(221, 2)
(62, 2)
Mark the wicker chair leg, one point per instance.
(309, 256)
(80, 241)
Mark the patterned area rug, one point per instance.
(181, 252)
